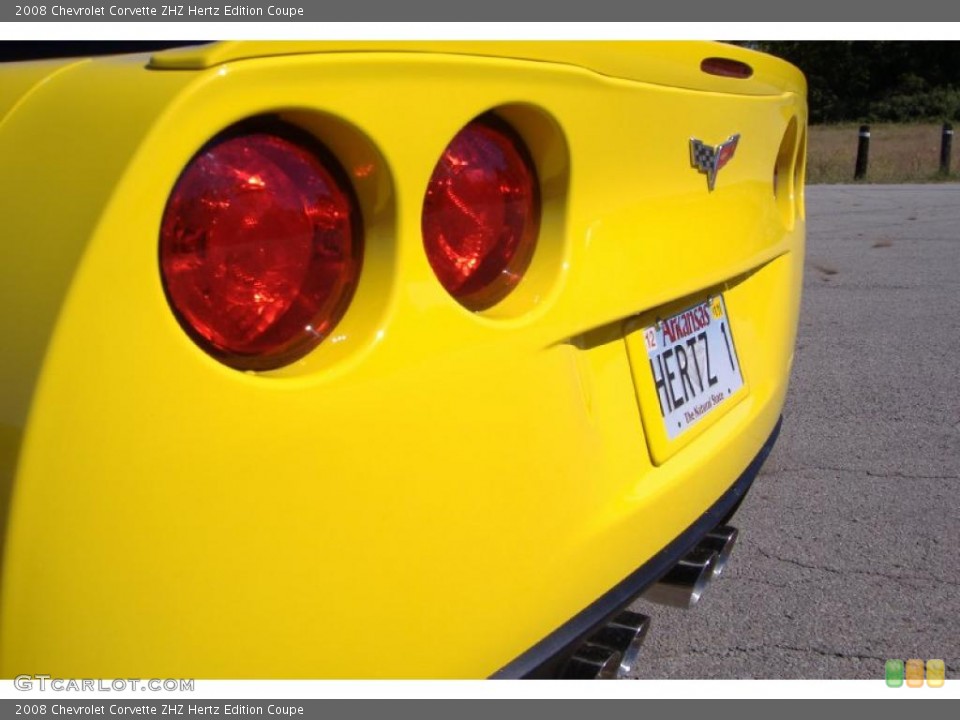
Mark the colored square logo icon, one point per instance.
(894, 673)
(914, 673)
(935, 673)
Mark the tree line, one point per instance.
(876, 81)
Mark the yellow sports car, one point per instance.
(384, 359)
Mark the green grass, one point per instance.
(898, 154)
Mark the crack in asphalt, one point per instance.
(861, 471)
(761, 581)
(749, 649)
(950, 665)
(836, 571)
(830, 653)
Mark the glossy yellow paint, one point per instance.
(448, 486)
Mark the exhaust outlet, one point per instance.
(624, 634)
(592, 662)
(683, 585)
(721, 541)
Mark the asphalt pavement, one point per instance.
(850, 538)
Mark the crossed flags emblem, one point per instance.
(709, 159)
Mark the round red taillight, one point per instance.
(481, 213)
(260, 247)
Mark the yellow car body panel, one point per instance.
(430, 492)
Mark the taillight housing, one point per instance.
(261, 245)
(481, 213)
(785, 174)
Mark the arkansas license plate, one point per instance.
(694, 364)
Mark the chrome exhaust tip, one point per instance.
(624, 634)
(592, 662)
(683, 585)
(721, 541)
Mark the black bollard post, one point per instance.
(863, 153)
(946, 145)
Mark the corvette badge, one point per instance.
(709, 160)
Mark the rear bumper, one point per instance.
(543, 659)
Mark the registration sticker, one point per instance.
(694, 364)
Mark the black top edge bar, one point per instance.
(745, 12)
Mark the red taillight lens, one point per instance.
(260, 248)
(726, 67)
(481, 213)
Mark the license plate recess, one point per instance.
(686, 372)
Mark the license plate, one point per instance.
(694, 364)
